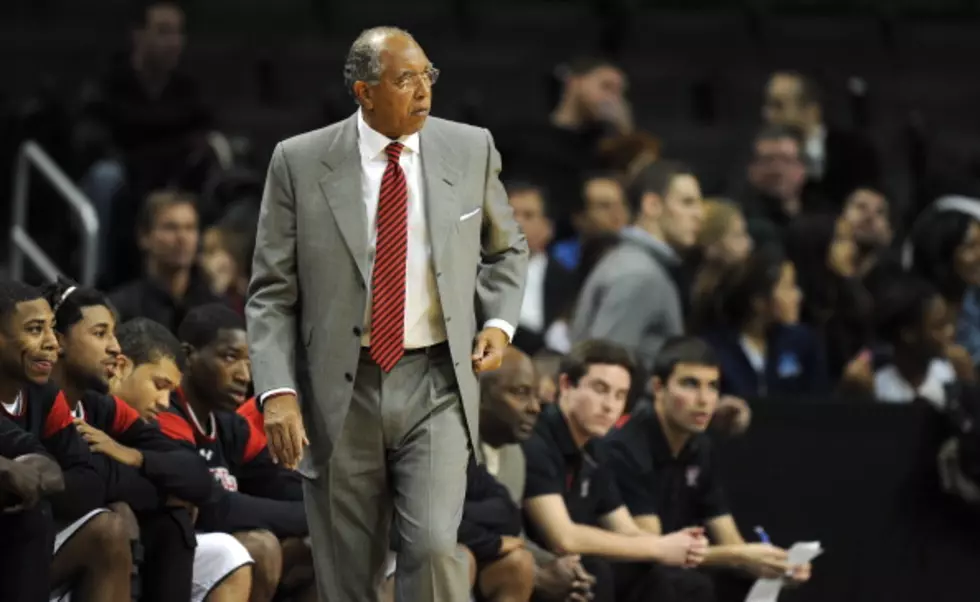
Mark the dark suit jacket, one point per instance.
(794, 363)
(559, 295)
(850, 161)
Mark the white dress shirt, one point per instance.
(424, 325)
(815, 151)
(532, 307)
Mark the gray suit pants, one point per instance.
(402, 455)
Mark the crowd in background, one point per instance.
(800, 278)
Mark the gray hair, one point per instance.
(364, 58)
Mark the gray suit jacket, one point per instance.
(306, 301)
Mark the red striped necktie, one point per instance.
(388, 278)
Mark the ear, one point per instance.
(656, 387)
(189, 351)
(564, 383)
(363, 94)
(61, 343)
(651, 205)
(124, 367)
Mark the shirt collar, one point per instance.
(658, 439)
(557, 425)
(373, 143)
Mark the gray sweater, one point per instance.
(631, 298)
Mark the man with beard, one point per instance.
(92, 549)
(663, 467)
(261, 503)
(27, 476)
(175, 562)
(868, 211)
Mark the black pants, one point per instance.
(25, 555)
(645, 582)
(168, 555)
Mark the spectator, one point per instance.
(835, 302)
(27, 475)
(913, 320)
(666, 470)
(546, 366)
(837, 161)
(868, 213)
(224, 259)
(631, 296)
(509, 409)
(172, 284)
(599, 209)
(553, 152)
(775, 195)
(571, 502)
(724, 241)
(549, 286)
(761, 348)
(154, 114)
(91, 541)
(945, 251)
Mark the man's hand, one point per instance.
(733, 415)
(564, 580)
(764, 560)
(101, 443)
(488, 352)
(858, 374)
(284, 429)
(508, 544)
(20, 482)
(685, 548)
(799, 574)
(962, 362)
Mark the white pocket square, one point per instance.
(469, 215)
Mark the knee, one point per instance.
(520, 563)
(110, 538)
(427, 545)
(128, 518)
(265, 550)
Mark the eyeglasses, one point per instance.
(430, 76)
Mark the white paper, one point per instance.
(767, 590)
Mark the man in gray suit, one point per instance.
(383, 242)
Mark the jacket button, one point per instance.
(357, 331)
(349, 377)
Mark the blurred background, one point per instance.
(134, 140)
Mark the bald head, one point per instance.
(509, 404)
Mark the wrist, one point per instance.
(133, 457)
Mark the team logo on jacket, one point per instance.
(224, 478)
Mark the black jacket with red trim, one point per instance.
(173, 467)
(252, 491)
(44, 413)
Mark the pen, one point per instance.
(763, 536)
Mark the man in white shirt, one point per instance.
(384, 242)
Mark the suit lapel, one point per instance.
(439, 177)
(342, 188)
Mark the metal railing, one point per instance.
(22, 245)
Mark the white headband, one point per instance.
(64, 296)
